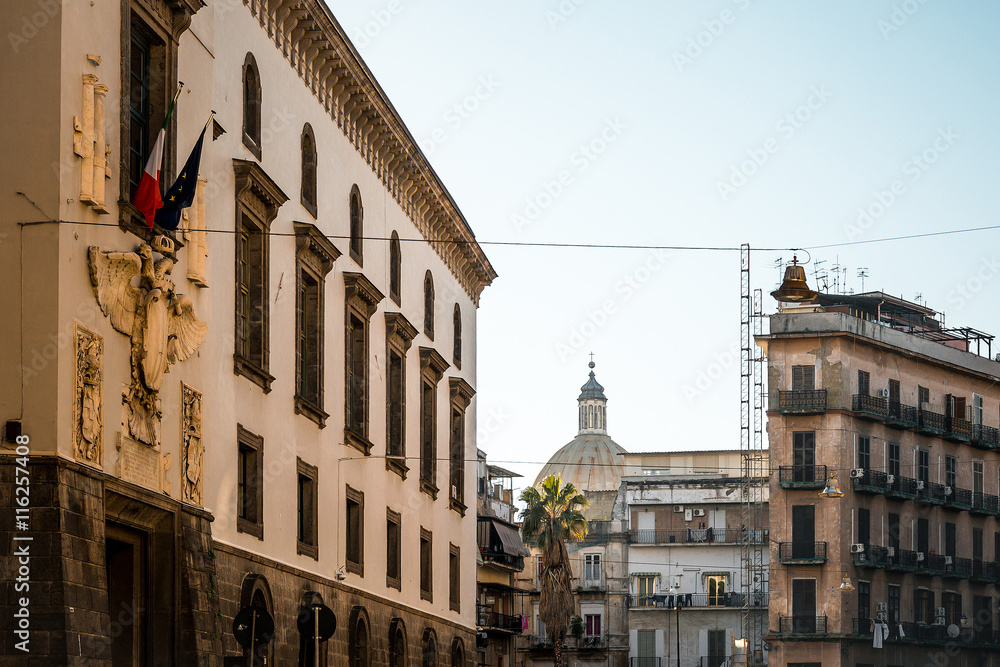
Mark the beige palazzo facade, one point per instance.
(272, 406)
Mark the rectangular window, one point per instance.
(923, 396)
(592, 625)
(426, 566)
(592, 570)
(803, 605)
(893, 603)
(647, 647)
(355, 531)
(140, 55)
(716, 646)
(716, 586)
(952, 603)
(864, 383)
(428, 449)
(923, 606)
(309, 325)
(393, 552)
(923, 465)
(357, 375)
(996, 547)
(249, 483)
(307, 510)
(950, 468)
(977, 477)
(894, 531)
(803, 531)
(982, 614)
(923, 537)
(251, 292)
(804, 456)
(894, 391)
(893, 459)
(803, 378)
(645, 587)
(864, 600)
(454, 578)
(864, 526)
(950, 540)
(977, 544)
(977, 409)
(864, 452)
(396, 406)
(457, 447)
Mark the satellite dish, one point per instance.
(954, 631)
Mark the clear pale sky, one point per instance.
(774, 123)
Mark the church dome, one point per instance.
(592, 460)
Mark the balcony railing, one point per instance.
(958, 499)
(932, 494)
(644, 662)
(802, 477)
(869, 407)
(985, 570)
(898, 486)
(697, 536)
(802, 402)
(715, 661)
(901, 560)
(985, 437)
(871, 481)
(802, 625)
(900, 415)
(985, 504)
(683, 600)
(500, 558)
(931, 422)
(487, 618)
(802, 553)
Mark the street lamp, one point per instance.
(677, 600)
(831, 490)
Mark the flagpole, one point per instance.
(173, 103)
(210, 117)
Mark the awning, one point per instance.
(510, 539)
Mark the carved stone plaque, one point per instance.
(139, 464)
(192, 448)
(88, 399)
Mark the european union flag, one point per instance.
(181, 193)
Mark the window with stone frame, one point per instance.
(461, 395)
(429, 305)
(399, 335)
(308, 171)
(426, 565)
(252, 106)
(864, 383)
(361, 301)
(249, 483)
(393, 549)
(397, 643)
(454, 578)
(428, 650)
(307, 542)
(257, 201)
(395, 269)
(354, 531)
(358, 639)
(923, 606)
(457, 653)
(803, 378)
(315, 256)
(357, 221)
(432, 368)
(456, 355)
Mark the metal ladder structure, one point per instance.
(754, 463)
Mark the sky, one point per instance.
(781, 124)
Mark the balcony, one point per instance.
(697, 536)
(873, 556)
(871, 481)
(903, 488)
(801, 477)
(802, 553)
(802, 402)
(899, 415)
(488, 619)
(502, 559)
(697, 600)
(873, 408)
(958, 499)
(958, 429)
(985, 437)
(985, 504)
(931, 423)
(644, 662)
(901, 560)
(924, 633)
(986, 571)
(932, 494)
(802, 625)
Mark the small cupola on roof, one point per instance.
(593, 406)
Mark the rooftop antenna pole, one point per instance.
(863, 273)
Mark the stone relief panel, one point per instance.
(88, 402)
(90, 144)
(192, 447)
(197, 237)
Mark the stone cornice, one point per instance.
(360, 291)
(461, 391)
(309, 239)
(251, 178)
(399, 327)
(315, 45)
(432, 364)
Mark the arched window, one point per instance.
(357, 225)
(395, 259)
(397, 643)
(457, 352)
(251, 106)
(457, 653)
(357, 649)
(428, 650)
(429, 305)
(309, 169)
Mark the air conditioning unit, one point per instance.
(890, 479)
(857, 548)
(920, 485)
(881, 606)
(920, 556)
(882, 616)
(890, 552)
(858, 473)
(678, 509)
(699, 512)
(883, 393)
(947, 560)
(939, 612)
(948, 490)
(688, 515)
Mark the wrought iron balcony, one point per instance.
(802, 402)
(697, 536)
(898, 486)
(488, 619)
(901, 560)
(802, 477)
(874, 408)
(871, 481)
(958, 429)
(802, 625)
(931, 423)
(502, 559)
(731, 600)
(900, 415)
(873, 556)
(958, 499)
(932, 494)
(802, 553)
(985, 504)
(983, 570)
(985, 437)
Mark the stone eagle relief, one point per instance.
(161, 324)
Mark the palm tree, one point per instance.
(552, 515)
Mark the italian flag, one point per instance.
(147, 196)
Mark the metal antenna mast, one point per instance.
(754, 474)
